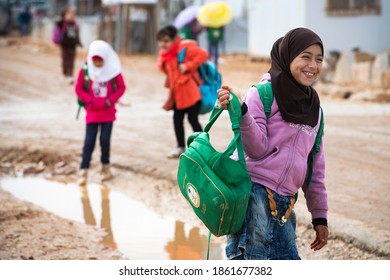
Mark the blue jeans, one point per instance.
(262, 236)
(90, 139)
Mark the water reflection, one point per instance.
(105, 222)
(187, 248)
(135, 230)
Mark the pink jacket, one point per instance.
(277, 151)
(96, 107)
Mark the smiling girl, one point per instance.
(277, 150)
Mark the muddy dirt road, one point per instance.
(40, 135)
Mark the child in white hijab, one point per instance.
(99, 86)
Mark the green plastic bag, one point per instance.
(216, 186)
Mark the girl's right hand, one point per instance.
(224, 96)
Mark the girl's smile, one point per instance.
(307, 66)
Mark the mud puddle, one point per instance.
(130, 226)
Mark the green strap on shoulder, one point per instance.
(266, 97)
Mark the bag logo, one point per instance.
(193, 195)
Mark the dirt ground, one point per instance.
(39, 136)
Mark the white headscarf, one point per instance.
(111, 67)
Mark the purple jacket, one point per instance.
(277, 151)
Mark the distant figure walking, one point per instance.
(99, 86)
(68, 39)
(214, 37)
(24, 20)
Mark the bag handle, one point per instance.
(234, 109)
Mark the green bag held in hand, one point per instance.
(216, 186)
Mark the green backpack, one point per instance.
(216, 186)
(86, 87)
(267, 97)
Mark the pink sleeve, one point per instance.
(120, 89)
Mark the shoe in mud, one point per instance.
(105, 174)
(176, 152)
(83, 175)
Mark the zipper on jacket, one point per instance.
(289, 161)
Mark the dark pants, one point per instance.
(90, 139)
(178, 118)
(214, 51)
(68, 56)
(24, 29)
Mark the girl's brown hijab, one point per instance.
(297, 103)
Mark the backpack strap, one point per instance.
(208, 246)
(180, 59)
(315, 150)
(266, 96)
(181, 55)
(86, 77)
(113, 83)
